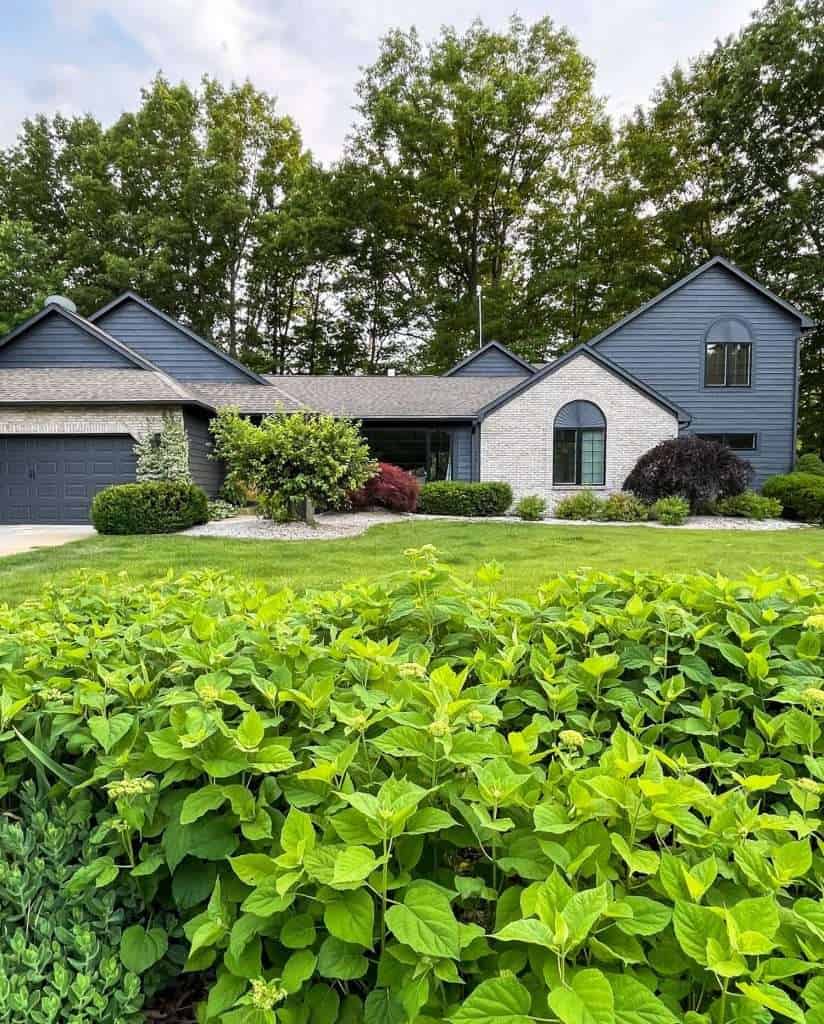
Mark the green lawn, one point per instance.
(530, 554)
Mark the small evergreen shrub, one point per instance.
(749, 505)
(583, 505)
(219, 509)
(700, 470)
(624, 507)
(453, 498)
(391, 487)
(810, 463)
(164, 455)
(671, 511)
(149, 508)
(801, 494)
(531, 507)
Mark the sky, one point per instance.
(92, 56)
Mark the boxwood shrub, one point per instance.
(749, 505)
(412, 800)
(453, 498)
(156, 507)
(801, 494)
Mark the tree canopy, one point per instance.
(479, 158)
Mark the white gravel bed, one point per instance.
(692, 523)
(332, 526)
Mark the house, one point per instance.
(716, 354)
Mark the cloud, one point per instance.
(98, 53)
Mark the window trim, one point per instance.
(711, 435)
(579, 449)
(750, 342)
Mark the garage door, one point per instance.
(52, 479)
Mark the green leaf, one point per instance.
(298, 968)
(648, 916)
(254, 868)
(353, 865)
(527, 930)
(772, 998)
(140, 949)
(109, 731)
(384, 1007)
(641, 862)
(588, 1000)
(635, 1004)
(196, 804)
(250, 732)
(502, 1000)
(425, 922)
(337, 959)
(792, 860)
(429, 819)
(298, 932)
(694, 925)
(581, 912)
(351, 917)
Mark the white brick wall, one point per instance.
(73, 419)
(516, 439)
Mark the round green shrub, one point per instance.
(810, 463)
(531, 508)
(671, 511)
(453, 498)
(801, 494)
(749, 505)
(583, 505)
(624, 507)
(158, 507)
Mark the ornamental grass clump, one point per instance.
(412, 799)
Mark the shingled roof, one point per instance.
(72, 385)
(387, 398)
(250, 399)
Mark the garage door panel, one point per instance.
(53, 478)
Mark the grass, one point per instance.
(530, 554)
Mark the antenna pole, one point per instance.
(480, 293)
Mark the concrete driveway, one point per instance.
(14, 539)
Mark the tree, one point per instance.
(300, 459)
(28, 272)
(465, 133)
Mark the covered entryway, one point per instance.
(48, 478)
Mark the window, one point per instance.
(728, 355)
(579, 449)
(738, 442)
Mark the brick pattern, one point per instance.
(79, 420)
(516, 440)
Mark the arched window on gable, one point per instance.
(579, 445)
(728, 354)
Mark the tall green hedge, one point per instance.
(452, 498)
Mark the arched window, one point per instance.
(728, 355)
(579, 446)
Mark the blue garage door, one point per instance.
(53, 478)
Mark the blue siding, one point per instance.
(664, 347)
(492, 363)
(206, 472)
(166, 346)
(462, 454)
(56, 341)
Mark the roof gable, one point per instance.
(171, 345)
(597, 357)
(491, 360)
(57, 337)
(716, 261)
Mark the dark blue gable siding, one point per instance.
(664, 347)
(56, 341)
(167, 347)
(492, 363)
(207, 472)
